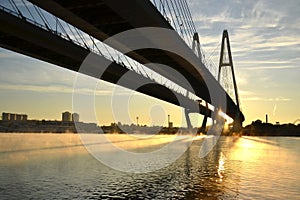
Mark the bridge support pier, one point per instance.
(202, 129)
(188, 120)
(204, 122)
(237, 123)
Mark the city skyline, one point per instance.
(66, 116)
(265, 46)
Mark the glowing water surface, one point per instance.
(57, 166)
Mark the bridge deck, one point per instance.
(104, 18)
(41, 44)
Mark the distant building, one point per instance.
(75, 117)
(66, 116)
(170, 124)
(5, 116)
(25, 117)
(19, 117)
(13, 117)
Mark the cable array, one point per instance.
(178, 14)
(41, 18)
(226, 77)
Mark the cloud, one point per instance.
(35, 88)
(276, 99)
(271, 67)
(264, 16)
(259, 30)
(246, 93)
(104, 90)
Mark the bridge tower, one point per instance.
(226, 61)
(197, 49)
(196, 45)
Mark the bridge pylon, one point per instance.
(188, 120)
(196, 45)
(237, 124)
(197, 49)
(204, 122)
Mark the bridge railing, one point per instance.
(178, 15)
(44, 20)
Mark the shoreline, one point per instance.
(150, 135)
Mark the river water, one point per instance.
(57, 166)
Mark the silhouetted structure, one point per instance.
(170, 124)
(66, 117)
(75, 117)
(108, 19)
(258, 128)
(14, 117)
(225, 54)
(12, 122)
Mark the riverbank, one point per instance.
(258, 128)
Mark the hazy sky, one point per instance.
(265, 44)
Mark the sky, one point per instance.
(265, 44)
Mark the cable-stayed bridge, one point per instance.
(64, 33)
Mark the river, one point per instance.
(58, 166)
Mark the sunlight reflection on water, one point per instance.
(48, 166)
(221, 167)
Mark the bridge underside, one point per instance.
(41, 44)
(105, 18)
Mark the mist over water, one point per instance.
(57, 166)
